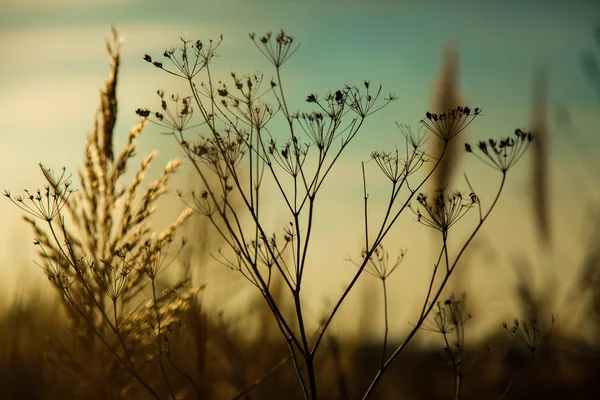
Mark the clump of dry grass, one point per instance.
(103, 259)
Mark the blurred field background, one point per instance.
(525, 65)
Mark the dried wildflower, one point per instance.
(268, 252)
(112, 279)
(362, 104)
(222, 91)
(45, 204)
(445, 210)
(320, 129)
(155, 251)
(527, 334)
(248, 106)
(185, 65)
(145, 113)
(280, 51)
(451, 315)
(176, 112)
(449, 124)
(416, 141)
(290, 156)
(379, 265)
(503, 154)
(395, 168)
(389, 163)
(220, 152)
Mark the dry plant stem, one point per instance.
(296, 332)
(431, 282)
(308, 357)
(261, 379)
(253, 210)
(366, 197)
(514, 383)
(185, 375)
(385, 315)
(380, 236)
(435, 298)
(301, 248)
(87, 292)
(263, 286)
(115, 313)
(458, 373)
(71, 258)
(456, 364)
(159, 339)
(298, 369)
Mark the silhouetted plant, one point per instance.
(236, 148)
(450, 318)
(100, 254)
(528, 335)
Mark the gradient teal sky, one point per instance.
(54, 62)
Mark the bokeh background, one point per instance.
(54, 62)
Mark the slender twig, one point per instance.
(515, 382)
(159, 339)
(262, 378)
(417, 326)
(383, 232)
(385, 318)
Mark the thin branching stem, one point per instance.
(521, 375)
(385, 318)
(382, 233)
(366, 198)
(260, 380)
(127, 363)
(435, 298)
(159, 339)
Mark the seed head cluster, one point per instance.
(450, 315)
(449, 124)
(444, 210)
(505, 153)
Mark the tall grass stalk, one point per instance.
(100, 254)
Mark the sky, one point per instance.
(55, 62)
